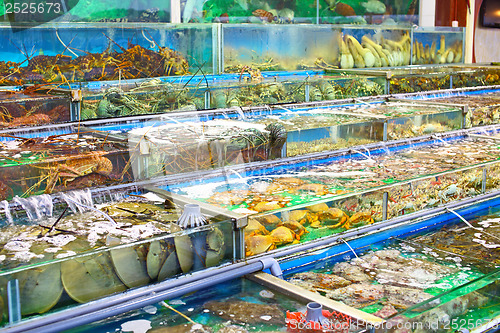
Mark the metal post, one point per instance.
(14, 301)
(207, 99)
(483, 184)
(385, 205)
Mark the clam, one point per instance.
(40, 288)
(184, 250)
(213, 258)
(170, 267)
(157, 255)
(90, 277)
(215, 240)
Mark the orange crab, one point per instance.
(302, 216)
(256, 244)
(358, 219)
(335, 215)
(296, 227)
(315, 189)
(283, 235)
(255, 227)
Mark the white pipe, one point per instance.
(469, 33)
(175, 11)
(273, 266)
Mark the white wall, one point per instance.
(427, 13)
(486, 44)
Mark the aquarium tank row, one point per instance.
(203, 11)
(76, 52)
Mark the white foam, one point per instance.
(136, 326)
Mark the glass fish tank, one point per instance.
(58, 252)
(60, 158)
(257, 91)
(395, 279)
(240, 305)
(483, 104)
(438, 45)
(179, 147)
(422, 78)
(429, 279)
(440, 78)
(331, 127)
(88, 11)
(73, 52)
(289, 204)
(148, 97)
(287, 130)
(34, 107)
(287, 12)
(222, 91)
(330, 47)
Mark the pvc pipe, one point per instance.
(273, 266)
(140, 297)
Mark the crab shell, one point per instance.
(266, 205)
(316, 189)
(256, 244)
(335, 215)
(359, 219)
(235, 197)
(290, 181)
(283, 235)
(255, 227)
(269, 220)
(318, 208)
(296, 227)
(302, 216)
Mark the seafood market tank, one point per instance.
(33, 106)
(483, 103)
(73, 52)
(286, 12)
(61, 251)
(244, 89)
(448, 278)
(330, 194)
(267, 47)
